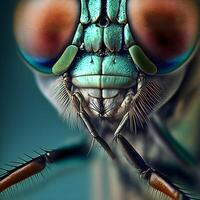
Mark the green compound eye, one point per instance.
(43, 29)
(167, 30)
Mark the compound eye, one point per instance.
(167, 30)
(43, 29)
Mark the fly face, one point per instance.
(113, 61)
(124, 55)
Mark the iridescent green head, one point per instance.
(160, 35)
(107, 47)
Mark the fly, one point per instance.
(110, 65)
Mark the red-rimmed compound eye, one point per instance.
(43, 28)
(167, 30)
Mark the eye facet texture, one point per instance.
(43, 28)
(167, 30)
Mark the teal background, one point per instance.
(28, 122)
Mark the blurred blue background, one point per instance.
(28, 121)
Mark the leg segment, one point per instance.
(95, 135)
(154, 178)
(121, 125)
(38, 164)
(84, 117)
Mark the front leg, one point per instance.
(153, 177)
(38, 164)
